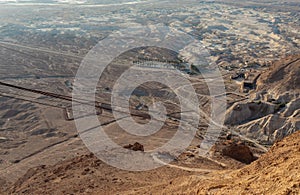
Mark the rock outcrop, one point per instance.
(135, 147)
(271, 128)
(242, 112)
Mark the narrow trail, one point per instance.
(156, 159)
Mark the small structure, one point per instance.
(164, 64)
(250, 83)
(247, 79)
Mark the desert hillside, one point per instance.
(276, 172)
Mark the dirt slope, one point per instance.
(88, 175)
(276, 172)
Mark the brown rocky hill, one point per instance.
(276, 172)
(282, 77)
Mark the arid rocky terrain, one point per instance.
(272, 110)
(253, 44)
(276, 172)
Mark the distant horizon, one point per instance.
(79, 2)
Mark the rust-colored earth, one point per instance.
(276, 172)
